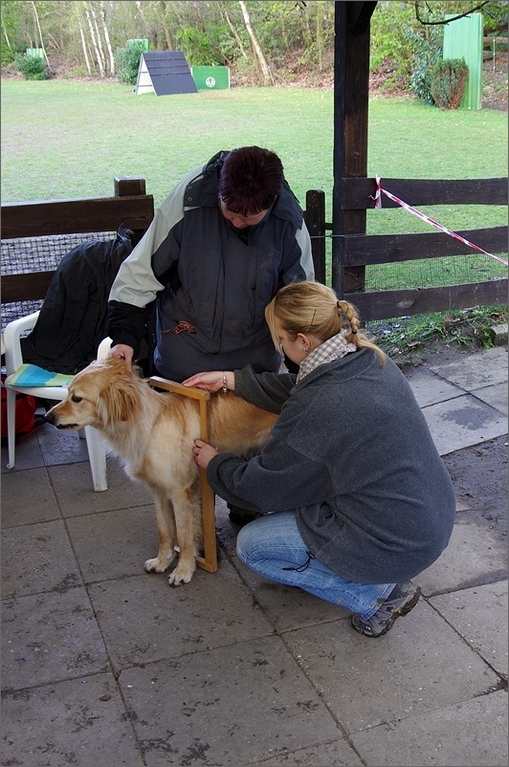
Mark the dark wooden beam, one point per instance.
(360, 192)
(359, 15)
(387, 304)
(351, 90)
(38, 219)
(391, 248)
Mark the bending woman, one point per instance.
(355, 498)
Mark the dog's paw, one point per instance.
(158, 564)
(180, 575)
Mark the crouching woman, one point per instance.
(355, 499)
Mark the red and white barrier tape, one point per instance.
(423, 217)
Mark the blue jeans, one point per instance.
(272, 546)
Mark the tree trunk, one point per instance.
(266, 75)
(6, 36)
(94, 41)
(141, 11)
(167, 33)
(36, 16)
(234, 32)
(319, 34)
(98, 38)
(107, 38)
(84, 45)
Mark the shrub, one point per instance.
(448, 80)
(127, 62)
(31, 67)
(427, 52)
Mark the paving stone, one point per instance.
(473, 556)
(418, 666)
(428, 388)
(463, 421)
(229, 706)
(48, 638)
(495, 396)
(27, 455)
(28, 501)
(80, 722)
(37, 558)
(479, 614)
(114, 544)
(450, 736)
(337, 754)
(474, 371)
(144, 619)
(61, 447)
(73, 485)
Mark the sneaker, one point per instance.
(240, 516)
(400, 601)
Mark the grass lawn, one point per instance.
(65, 139)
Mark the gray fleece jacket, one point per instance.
(351, 452)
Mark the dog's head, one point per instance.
(102, 395)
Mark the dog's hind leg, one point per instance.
(187, 508)
(167, 533)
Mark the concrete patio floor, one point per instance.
(103, 664)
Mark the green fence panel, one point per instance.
(211, 78)
(35, 53)
(463, 39)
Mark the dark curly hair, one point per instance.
(250, 180)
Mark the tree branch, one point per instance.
(446, 21)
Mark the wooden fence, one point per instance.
(356, 251)
(134, 208)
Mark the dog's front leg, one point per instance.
(187, 508)
(167, 533)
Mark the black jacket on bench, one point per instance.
(72, 319)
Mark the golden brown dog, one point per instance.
(153, 433)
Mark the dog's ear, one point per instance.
(120, 399)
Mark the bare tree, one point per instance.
(36, 17)
(141, 12)
(84, 46)
(107, 37)
(444, 21)
(95, 42)
(167, 33)
(233, 31)
(266, 74)
(4, 30)
(98, 38)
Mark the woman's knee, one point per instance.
(268, 536)
(248, 536)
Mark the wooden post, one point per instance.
(351, 87)
(209, 560)
(315, 222)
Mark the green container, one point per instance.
(35, 53)
(211, 78)
(463, 39)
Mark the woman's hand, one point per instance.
(124, 352)
(203, 453)
(212, 381)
